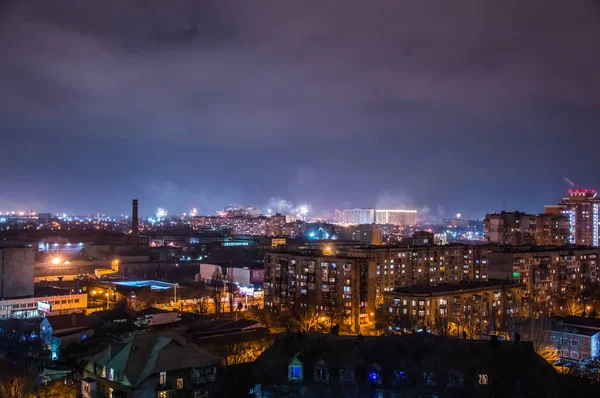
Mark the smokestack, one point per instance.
(134, 225)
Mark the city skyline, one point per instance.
(388, 105)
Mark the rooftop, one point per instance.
(576, 325)
(146, 353)
(507, 364)
(68, 321)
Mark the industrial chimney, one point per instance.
(134, 225)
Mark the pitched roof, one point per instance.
(146, 353)
(575, 325)
(68, 321)
(414, 351)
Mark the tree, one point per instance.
(549, 353)
(332, 314)
(216, 292)
(235, 353)
(261, 315)
(144, 298)
(200, 304)
(230, 292)
(15, 381)
(305, 317)
(441, 326)
(58, 389)
(573, 308)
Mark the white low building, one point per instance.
(40, 304)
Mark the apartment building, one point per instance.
(552, 230)
(549, 273)
(582, 208)
(510, 228)
(473, 306)
(426, 265)
(321, 282)
(521, 229)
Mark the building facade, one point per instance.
(16, 271)
(476, 307)
(521, 229)
(396, 217)
(425, 265)
(368, 234)
(552, 230)
(575, 337)
(552, 275)
(582, 208)
(341, 284)
(38, 305)
(358, 216)
(510, 228)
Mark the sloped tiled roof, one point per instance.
(146, 353)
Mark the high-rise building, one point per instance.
(552, 230)
(16, 271)
(295, 281)
(358, 216)
(510, 228)
(275, 224)
(372, 216)
(396, 217)
(480, 302)
(551, 275)
(582, 207)
(368, 234)
(520, 229)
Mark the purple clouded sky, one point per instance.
(446, 106)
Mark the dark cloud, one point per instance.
(454, 104)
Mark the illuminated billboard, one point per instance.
(44, 307)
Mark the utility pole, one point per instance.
(175, 296)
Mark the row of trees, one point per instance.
(302, 318)
(200, 297)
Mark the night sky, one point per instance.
(445, 106)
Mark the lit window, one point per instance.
(483, 379)
(110, 392)
(163, 378)
(295, 372)
(162, 394)
(320, 373)
(180, 383)
(374, 376)
(111, 374)
(401, 376)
